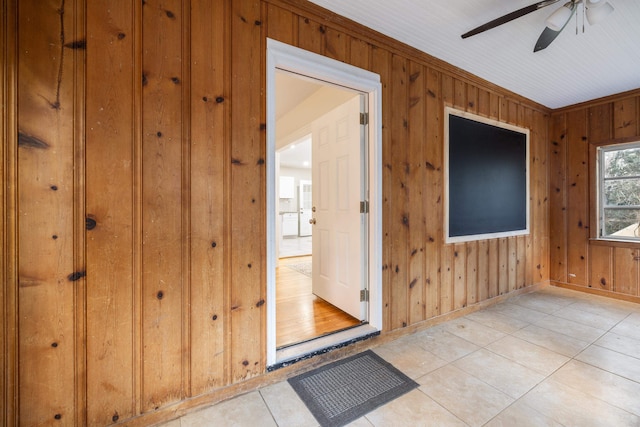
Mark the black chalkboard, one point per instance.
(487, 179)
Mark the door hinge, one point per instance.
(364, 118)
(364, 295)
(364, 206)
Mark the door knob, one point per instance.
(312, 221)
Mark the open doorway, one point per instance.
(323, 168)
(319, 140)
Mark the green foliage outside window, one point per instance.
(620, 191)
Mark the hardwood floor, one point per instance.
(300, 315)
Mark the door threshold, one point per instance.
(304, 350)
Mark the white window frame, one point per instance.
(600, 181)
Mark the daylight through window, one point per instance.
(619, 195)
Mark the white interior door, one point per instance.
(338, 224)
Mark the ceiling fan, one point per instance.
(595, 11)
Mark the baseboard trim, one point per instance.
(186, 406)
(594, 291)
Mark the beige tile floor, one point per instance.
(551, 358)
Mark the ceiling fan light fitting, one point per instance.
(597, 12)
(558, 19)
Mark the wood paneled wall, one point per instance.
(134, 196)
(606, 267)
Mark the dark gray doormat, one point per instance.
(343, 391)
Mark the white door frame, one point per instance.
(285, 57)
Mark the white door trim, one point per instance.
(285, 57)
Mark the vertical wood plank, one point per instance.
(9, 275)
(209, 109)
(46, 240)
(399, 214)
(109, 160)
(601, 267)
(494, 268)
(415, 161)
(247, 198)
(460, 94)
(433, 191)
(577, 198)
(531, 246)
(503, 266)
(626, 271)
(309, 35)
(446, 279)
(335, 43)
(484, 102)
(359, 53)
(162, 152)
(447, 92)
(557, 197)
(625, 118)
(521, 261)
(600, 123)
(537, 245)
(472, 273)
(279, 24)
(483, 270)
(6, 340)
(495, 103)
(459, 275)
(512, 249)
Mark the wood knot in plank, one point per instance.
(77, 44)
(77, 275)
(30, 141)
(90, 223)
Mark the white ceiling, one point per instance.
(602, 61)
(299, 101)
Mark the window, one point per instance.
(619, 191)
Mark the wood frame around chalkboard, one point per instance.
(482, 155)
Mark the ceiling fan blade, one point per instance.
(548, 35)
(509, 17)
